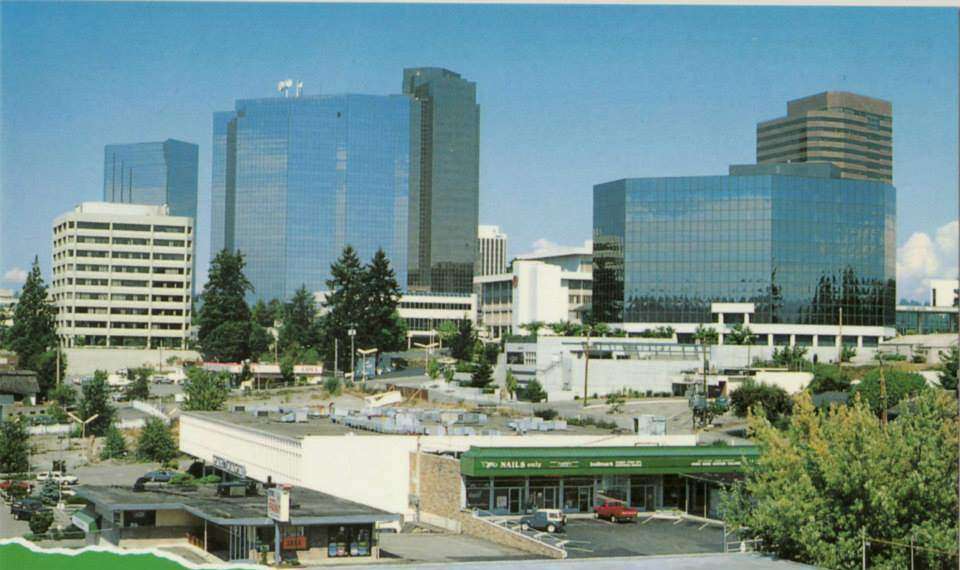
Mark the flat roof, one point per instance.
(326, 427)
(306, 505)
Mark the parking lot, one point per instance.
(587, 538)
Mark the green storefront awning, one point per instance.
(533, 461)
(84, 521)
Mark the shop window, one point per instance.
(140, 518)
(348, 541)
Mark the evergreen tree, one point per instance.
(344, 304)
(300, 329)
(115, 446)
(263, 314)
(14, 447)
(482, 375)
(33, 335)
(224, 333)
(260, 341)
(535, 392)
(156, 443)
(463, 345)
(95, 400)
(205, 390)
(382, 325)
(50, 492)
(948, 368)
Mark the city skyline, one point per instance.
(542, 146)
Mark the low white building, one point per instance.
(8, 303)
(549, 286)
(944, 292)
(650, 366)
(122, 276)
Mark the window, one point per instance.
(132, 227)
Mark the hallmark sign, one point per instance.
(229, 466)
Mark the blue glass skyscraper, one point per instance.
(444, 179)
(153, 173)
(296, 179)
(795, 240)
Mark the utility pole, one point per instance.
(353, 334)
(586, 367)
(336, 357)
(840, 354)
(883, 393)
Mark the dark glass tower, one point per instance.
(798, 241)
(153, 173)
(444, 179)
(296, 179)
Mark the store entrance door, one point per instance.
(515, 501)
(647, 500)
(585, 499)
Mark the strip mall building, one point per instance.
(438, 478)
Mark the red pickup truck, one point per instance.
(614, 510)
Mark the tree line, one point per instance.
(360, 297)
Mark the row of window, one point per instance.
(122, 227)
(437, 306)
(125, 311)
(822, 119)
(821, 130)
(157, 242)
(122, 325)
(123, 269)
(769, 144)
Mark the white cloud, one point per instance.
(543, 244)
(15, 275)
(922, 258)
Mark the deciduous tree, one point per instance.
(156, 443)
(95, 400)
(831, 478)
(14, 447)
(205, 390)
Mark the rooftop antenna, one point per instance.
(284, 86)
(299, 88)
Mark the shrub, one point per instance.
(183, 480)
(900, 385)
(828, 378)
(534, 392)
(332, 386)
(773, 400)
(40, 522)
(546, 413)
(894, 357)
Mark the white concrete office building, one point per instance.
(122, 276)
(492, 251)
(424, 312)
(549, 286)
(944, 292)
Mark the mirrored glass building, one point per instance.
(152, 173)
(775, 244)
(444, 179)
(296, 179)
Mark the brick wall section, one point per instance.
(439, 484)
(440, 495)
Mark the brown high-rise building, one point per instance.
(853, 132)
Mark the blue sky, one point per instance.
(570, 97)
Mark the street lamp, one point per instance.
(83, 425)
(364, 352)
(353, 353)
(427, 347)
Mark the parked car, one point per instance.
(550, 520)
(57, 476)
(615, 510)
(23, 487)
(24, 509)
(159, 476)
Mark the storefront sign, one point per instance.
(229, 466)
(484, 462)
(278, 504)
(294, 543)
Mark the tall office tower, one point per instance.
(492, 251)
(154, 173)
(791, 246)
(295, 179)
(444, 179)
(122, 276)
(853, 132)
